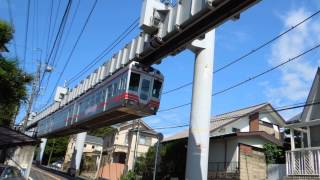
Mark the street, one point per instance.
(45, 173)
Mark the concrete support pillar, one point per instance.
(198, 142)
(77, 154)
(41, 150)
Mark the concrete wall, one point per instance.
(252, 163)
(221, 152)
(276, 171)
(21, 157)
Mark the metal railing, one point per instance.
(223, 170)
(304, 162)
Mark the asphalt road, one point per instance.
(40, 174)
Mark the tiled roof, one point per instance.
(221, 120)
(94, 140)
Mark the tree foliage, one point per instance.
(58, 146)
(101, 132)
(172, 161)
(13, 80)
(6, 33)
(274, 154)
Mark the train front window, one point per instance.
(134, 82)
(145, 86)
(156, 88)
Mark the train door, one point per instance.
(144, 90)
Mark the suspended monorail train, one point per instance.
(132, 92)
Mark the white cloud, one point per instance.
(296, 76)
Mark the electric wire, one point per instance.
(26, 34)
(250, 78)
(63, 43)
(250, 52)
(73, 49)
(285, 108)
(12, 25)
(57, 38)
(107, 50)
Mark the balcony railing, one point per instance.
(303, 162)
(223, 170)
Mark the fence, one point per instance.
(303, 162)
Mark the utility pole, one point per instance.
(160, 137)
(136, 145)
(34, 93)
(198, 141)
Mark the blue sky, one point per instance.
(284, 86)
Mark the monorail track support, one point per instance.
(198, 141)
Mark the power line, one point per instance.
(284, 108)
(58, 37)
(106, 51)
(26, 33)
(73, 48)
(250, 78)
(250, 52)
(12, 25)
(49, 29)
(64, 43)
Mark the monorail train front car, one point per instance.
(132, 92)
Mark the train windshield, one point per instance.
(145, 87)
(134, 82)
(156, 88)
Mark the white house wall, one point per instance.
(252, 141)
(242, 124)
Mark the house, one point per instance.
(90, 158)
(304, 161)
(237, 139)
(120, 147)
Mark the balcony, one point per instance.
(303, 162)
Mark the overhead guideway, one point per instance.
(166, 30)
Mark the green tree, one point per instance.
(57, 147)
(13, 81)
(274, 154)
(172, 161)
(6, 33)
(101, 132)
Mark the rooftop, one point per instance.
(12, 138)
(222, 119)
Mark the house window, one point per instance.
(92, 147)
(85, 145)
(144, 140)
(235, 129)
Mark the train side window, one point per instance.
(124, 83)
(115, 89)
(109, 91)
(98, 96)
(156, 88)
(134, 82)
